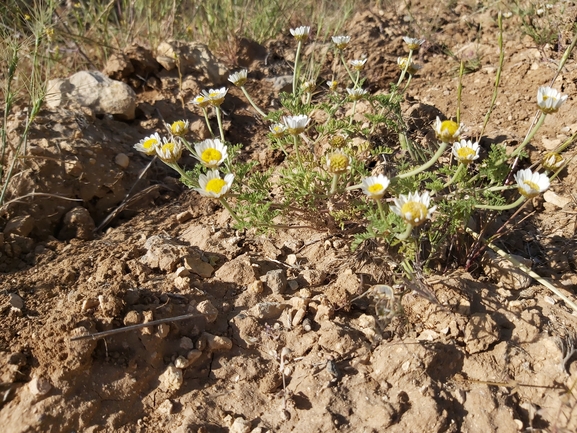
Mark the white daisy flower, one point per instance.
(170, 151)
(552, 161)
(178, 128)
(375, 186)
(149, 144)
(412, 69)
(278, 130)
(549, 100)
(211, 184)
(447, 130)
(201, 100)
(356, 94)
(211, 152)
(413, 43)
(531, 184)
(301, 33)
(338, 162)
(358, 64)
(466, 151)
(296, 124)
(414, 208)
(308, 86)
(215, 96)
(332, 85)
(341, 42)
(238, 78)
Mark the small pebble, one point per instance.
(39, 386)
(208, 310)
(171, 379)
(122, 160)
(165, 408)
(186, 343)
(16, 301)
(216, 342)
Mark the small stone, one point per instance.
(208, 310)
(77, 223)
(240, 425)
(428, 335)
(162, 330)
(267, 310)
(181, 271)
(89, 303)
(193, 355)
(312, 277)
(186, 343)
(298, 317)
(291, 259)
(293, 284)
(110, 305)
(182, 283)
(165, 408)
(183, 217)
(171, 379)
(257, 286)
(20, 225)
(39, 386)
(216, 342)
(275, 280)
(481, 331)
(181, 362)
(16, 301)
(122, 160)
(199, 267)
(133, 317)
(557, 200)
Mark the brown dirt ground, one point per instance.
(485, 358)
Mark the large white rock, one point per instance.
(95, 90)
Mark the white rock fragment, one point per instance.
(208, 310)
(165, 408)
(171, 379)
(122, 160)
(181, 362)
(39, 386)
(240, 425)
(216, 342)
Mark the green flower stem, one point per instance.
(353, 187)
(425, 166)
(530, 135)
(405, 235)
(296, 71)
(207, 122)
(357, 79)
(354, 110)
(405, 68)
(347, 68)
(381, 209)
(296, 146)
(503, 207)
(408, 82)
(334, 183)
(229, 209)
(258, 110)
(219, 119)
(309, 96)
(501, 188)
(180, 170)
(457, 173)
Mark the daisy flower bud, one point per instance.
(337, 141)
(412, 69)
(278, 130)
(375, 186)
(211, 152)
(413, 43)
(170, 151)
(414, 208)
(211, 184)
(531, 184)
(356, 94)
(178, 128)
(301, 33)
(549, 100)
(338, 162)
(341, 42)
(332, 85)
(552, 161)
(148, 144)
(447, 130)
(215, 96)
(466, 151)
(308, 86)
(238, 78)
(296, 124)
(358, 64)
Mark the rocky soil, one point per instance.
(277, 337)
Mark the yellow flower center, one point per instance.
(338, 163)
(178, 127)
(213, 94)
(150, 143)
(532, 185)
(375, 188)
(415, 212)
(449, 128)
(211, 154)
(215, 185)
(466, 153)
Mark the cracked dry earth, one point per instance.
(491, 352)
